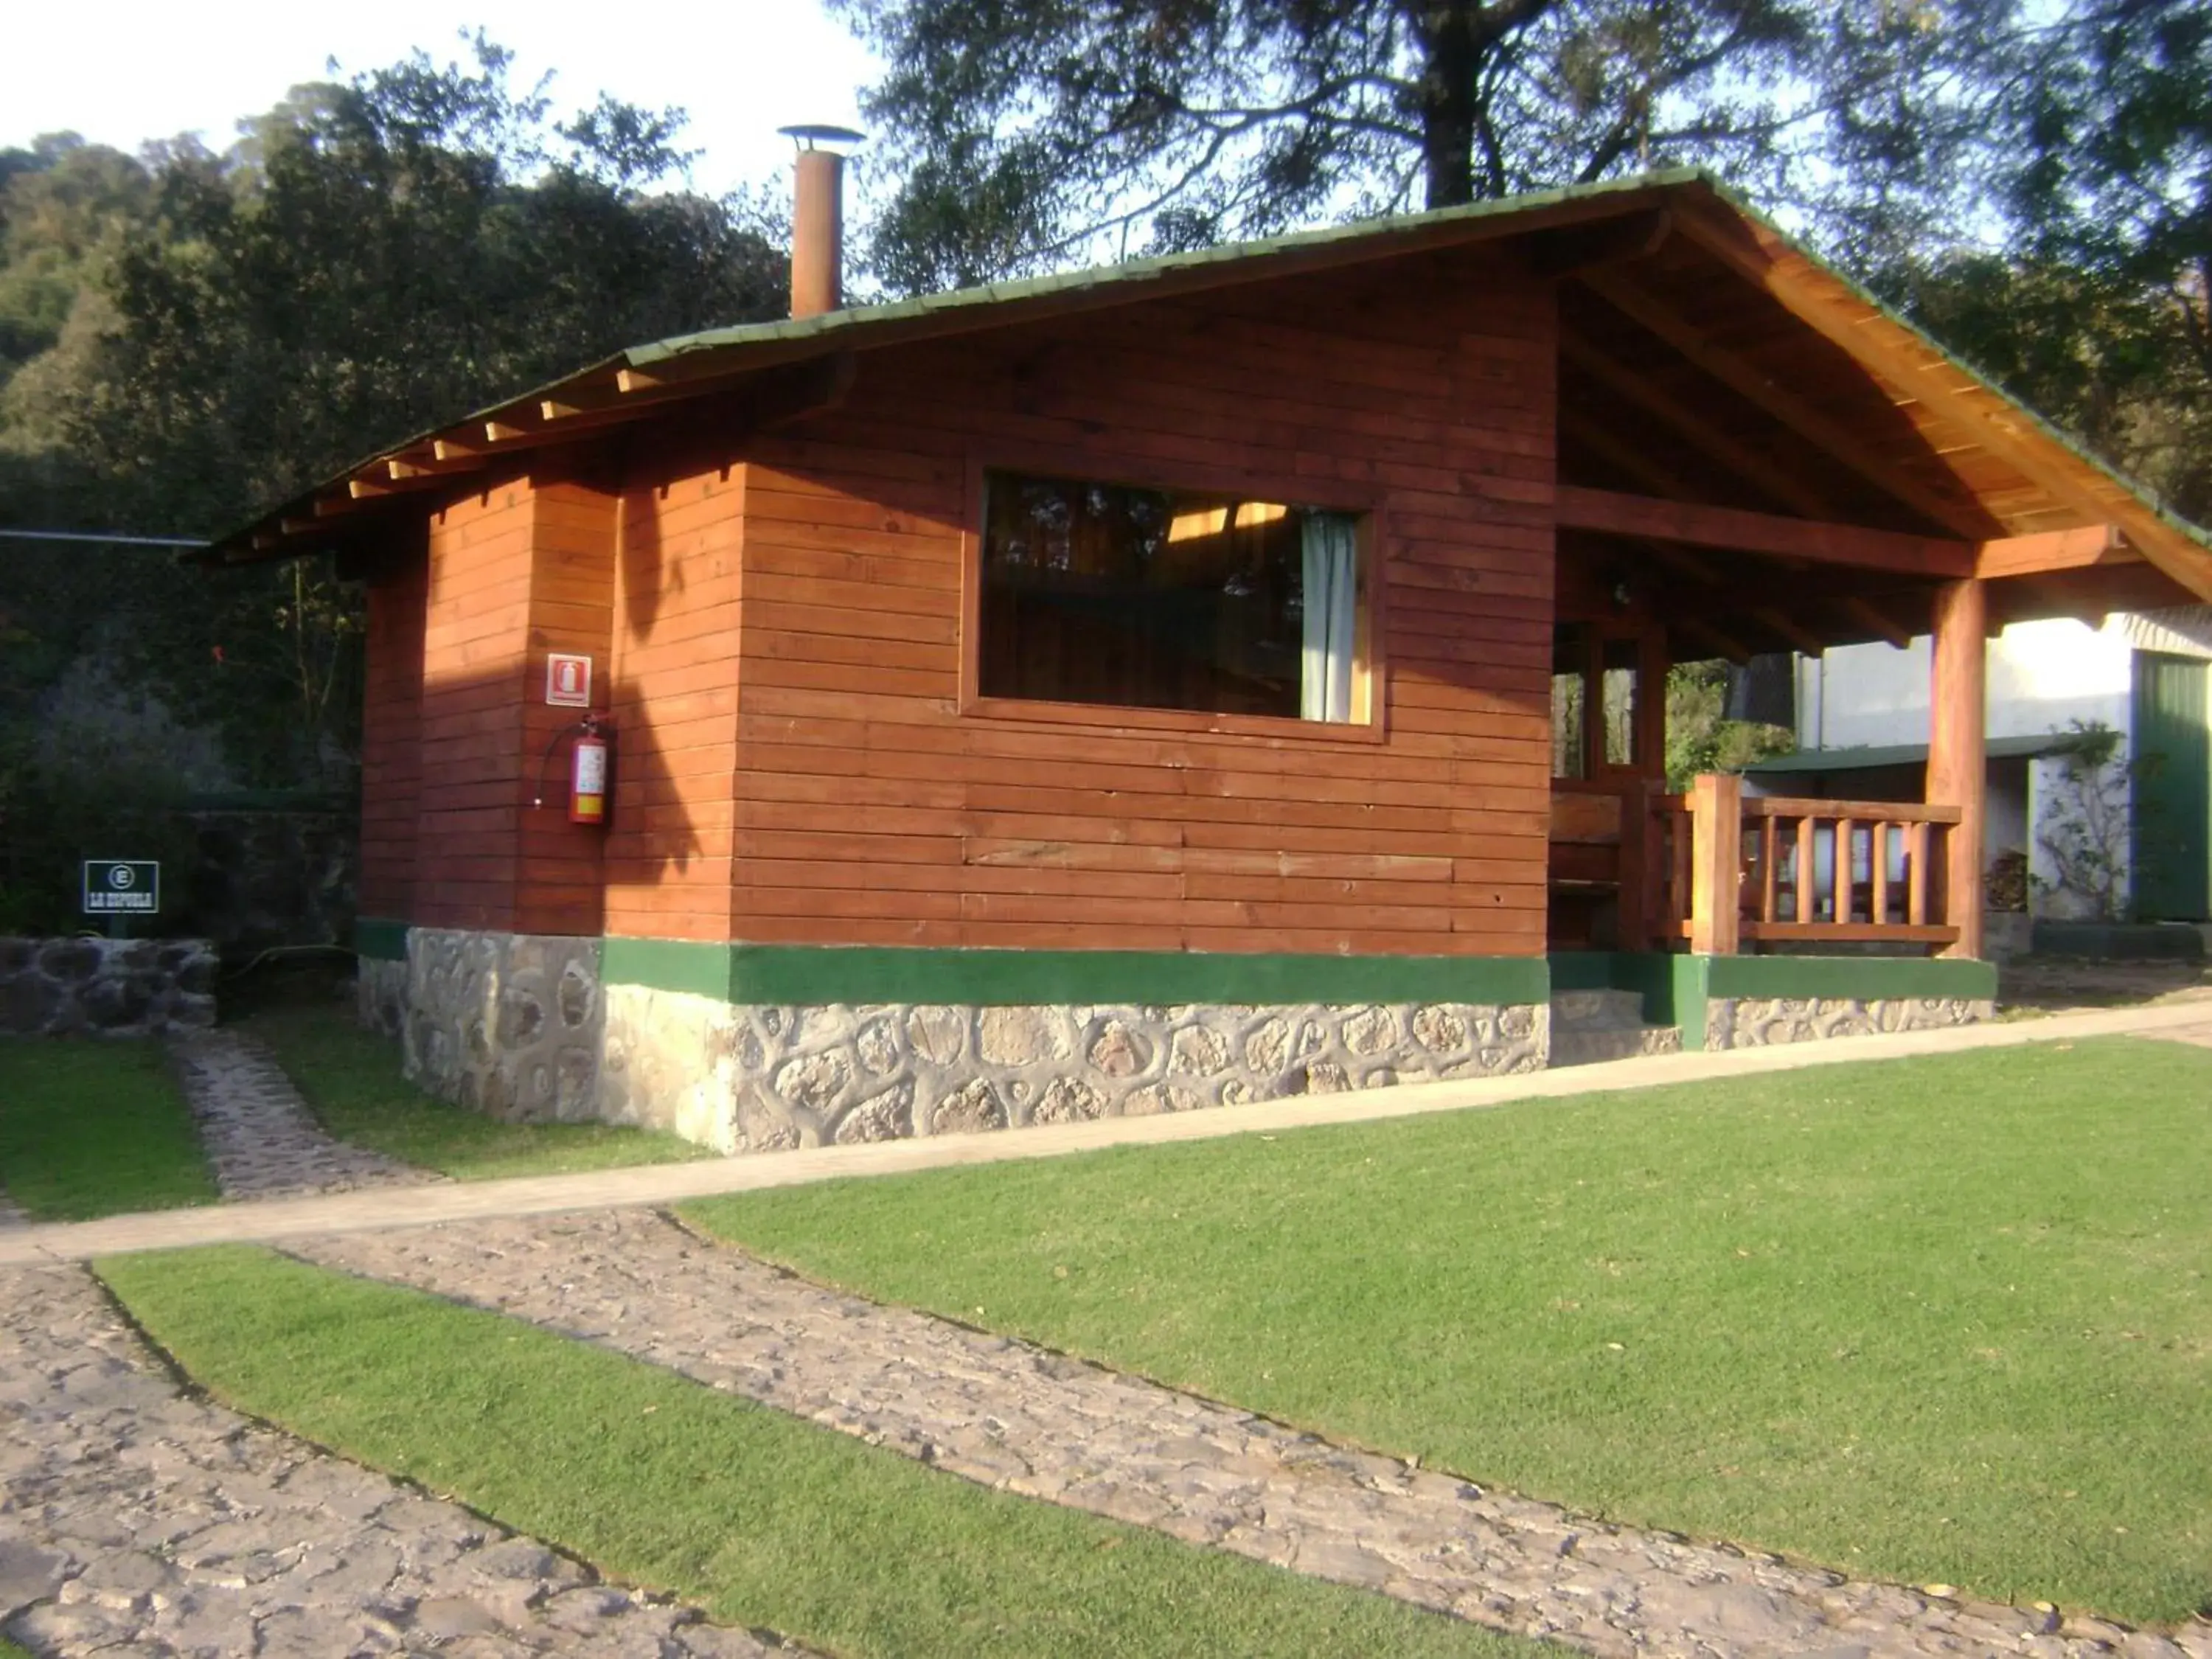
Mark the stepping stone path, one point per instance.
(1010, 1415)
(259, 1133)
(134, 1518)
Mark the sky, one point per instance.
(124, 71)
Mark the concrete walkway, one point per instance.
(670, 1184)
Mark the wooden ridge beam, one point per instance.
(1752, 383)
(1744, 531)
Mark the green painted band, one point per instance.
(379, 939)
(830, 973)
(1676, 989)
(1862, 978)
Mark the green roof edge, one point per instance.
(785, 330)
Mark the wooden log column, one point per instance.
(1957, 772)
(1717, 870)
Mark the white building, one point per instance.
(1862, 734)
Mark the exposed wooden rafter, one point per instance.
(1801, 638)
(1945, 395)
(1754, 384)
(1721, 644)
(1623, 457)
(427, 464)
(1624, 381)
(1869, 615)
(1582, 248)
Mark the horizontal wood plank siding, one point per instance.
(560, 882)
(673, 692)
(476, 660)
(391, 742)
(864, 808)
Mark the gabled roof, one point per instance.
(1980, 464)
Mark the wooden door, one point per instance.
(2171, 751)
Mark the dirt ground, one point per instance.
(2049, 984)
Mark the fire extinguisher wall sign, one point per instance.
(569, 680)
(587, 780)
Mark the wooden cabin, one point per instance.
(1186, 682)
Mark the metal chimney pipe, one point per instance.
(817, 221)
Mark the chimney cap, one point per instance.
(807, 134)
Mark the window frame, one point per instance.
(1369, 724)
(1648, 732)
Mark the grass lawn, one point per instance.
(90, 1127)
(764, 1519)
(1943, 1319)
(350, 1080)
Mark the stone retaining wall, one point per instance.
(1755, 1021)
(106, 987)
(380, 989)
(766, 1078)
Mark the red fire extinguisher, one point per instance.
(587, 778)
(591, 767)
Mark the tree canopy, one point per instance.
(1021, 131)
(187, 334)
(2032, 179)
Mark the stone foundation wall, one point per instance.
(106, 987)
(1755, 1022)
(766, 1078)
(506, 1023)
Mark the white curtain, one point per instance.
(1331, 600)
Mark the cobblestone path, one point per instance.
(259, 1133)
(134, 1519)
(1013, 1416)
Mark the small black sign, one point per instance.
(122, 887)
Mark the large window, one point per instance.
(1151, 598)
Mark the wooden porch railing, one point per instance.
(1726, 869)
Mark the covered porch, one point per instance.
(1754, 456)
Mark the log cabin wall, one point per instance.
(560, 878)
(869, 810)
(476, 660)
(390, 751)
(674, 695)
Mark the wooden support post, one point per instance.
(1716, 862)
(1957, 766)
(1843, 835)
(1808, 904)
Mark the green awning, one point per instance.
(1866, 757)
